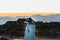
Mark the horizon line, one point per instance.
(27, 13)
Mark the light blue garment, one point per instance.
(30, 32)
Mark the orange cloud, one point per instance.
(26, 13)
(16, 14)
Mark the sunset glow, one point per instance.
(26, 13)
(29, 7)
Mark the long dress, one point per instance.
(30, 31)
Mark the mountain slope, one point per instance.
(54, 18)
(4, 19)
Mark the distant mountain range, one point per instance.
(54, 18)
(49, 18)
(4, 19)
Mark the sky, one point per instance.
(29, 7)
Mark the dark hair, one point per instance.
(30, 20)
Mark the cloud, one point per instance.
(29, 5)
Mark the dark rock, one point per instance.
(3, 38)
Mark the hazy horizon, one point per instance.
(29, 7)
(27, 13)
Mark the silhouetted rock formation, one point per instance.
(3, 38)
(16, 28)
(13, 28)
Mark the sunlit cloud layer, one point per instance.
(42, 7)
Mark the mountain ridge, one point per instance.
(49, 18)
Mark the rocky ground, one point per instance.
(41, 39)
(37, 38)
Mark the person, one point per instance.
(30, 30)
